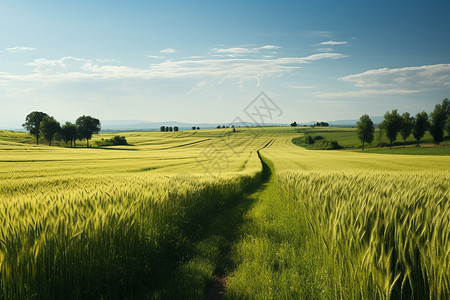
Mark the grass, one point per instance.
(347, 138)
(444, 150)
(275, 257)
(346, 225)
(171, 213)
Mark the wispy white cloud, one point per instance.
(233, 51)
(155, 56)
(72, 68)
(408, 80)
(195, 56)
(332, 43)
(197, 87)
(239, 51)
(365, 93)
(20, 49)
(423, 77)
(268, 47)
(168, 50)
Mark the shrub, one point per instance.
(318, 138)
(316, 142)
(117, 140)
(324, 144)
(309, 140)
(120, 140)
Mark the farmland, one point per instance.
(172, 214)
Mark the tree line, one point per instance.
(318, 124)
(168, 129)
(405, 124)
(38, 124)
(175, 128)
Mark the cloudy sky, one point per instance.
(195, 61)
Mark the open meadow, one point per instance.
(190, 214)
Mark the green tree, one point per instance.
(448, 125)
(33, 122)
(175, 128)
(119, 140)
(392, 124)
(365, 130)
(49, 127)
(69, 133)
(87, 126)
(420, 125)
(407, 126)
(163, 128)
(446, 104)
(380, 133)
(438, 120)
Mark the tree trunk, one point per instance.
(363, 147)
(37, 139)
(87, 143)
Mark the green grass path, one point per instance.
(204, 271)
(237, 217)
(226, 264)
(275, 257)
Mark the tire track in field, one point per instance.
(218, 287)
(184, 145)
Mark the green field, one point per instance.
(181, 215)
(347, 138)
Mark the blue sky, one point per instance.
(197, 61)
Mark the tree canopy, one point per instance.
(69, 133)
(420, 125)
(49, 127)
(392, 124)
(438, 120)
(33, 122)
(407, 126)
(365, 130)
(87, 126)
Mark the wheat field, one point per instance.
(135, 221)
